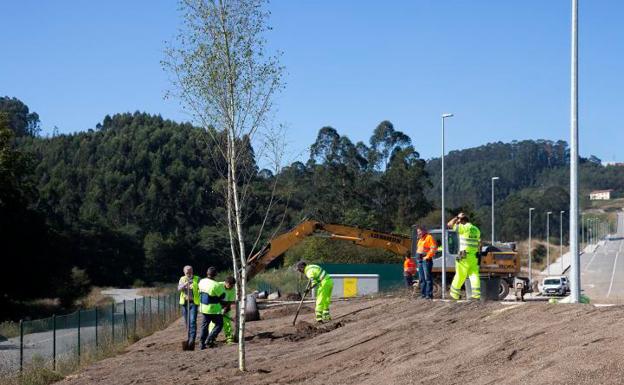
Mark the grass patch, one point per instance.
(157, 289)
(285, 280)
(94, 298)
(8, 329)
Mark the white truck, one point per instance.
(555, 285)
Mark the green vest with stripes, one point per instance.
(314, 273)
(469, 237)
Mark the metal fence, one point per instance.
(71, 338)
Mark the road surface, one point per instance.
(41, 343)
(602, 271)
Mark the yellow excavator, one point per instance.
(494, 262)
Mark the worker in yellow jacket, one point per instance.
(211, 294)
(188, 286)
(324, 285)
(467, 264)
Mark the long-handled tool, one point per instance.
(188, 344)
(307, 289)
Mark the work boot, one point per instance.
(203, 346)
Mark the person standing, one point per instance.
(324, 285)
(426, 249)
(188, 285)
(467, 264)
(211, 293)
(409, 270)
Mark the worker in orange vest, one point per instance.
(426, 250)
(409, 270)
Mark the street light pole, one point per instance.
(575, 273)
(530, 246)
(548, 242)
(561, 238)
(444, 116)
(583, 230)
(493, 237)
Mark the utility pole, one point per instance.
(574, 211)
(530, 246)
(493, 237)
(561, 238)
(444, 116)
(548, 242)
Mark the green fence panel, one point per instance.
(53, 339)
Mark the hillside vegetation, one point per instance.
(138, 196)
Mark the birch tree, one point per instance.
(222, 72)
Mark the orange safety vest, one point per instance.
(409, 266)
(427, 247)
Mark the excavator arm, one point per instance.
(394, 243)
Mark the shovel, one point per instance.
(301, 302)
(188, 344)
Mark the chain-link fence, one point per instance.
(64, 341)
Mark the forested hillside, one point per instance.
(533, 173)
(138, 196)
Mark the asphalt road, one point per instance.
(41, 343)
(602, 272)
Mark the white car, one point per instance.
(556, 285)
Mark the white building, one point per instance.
(604, 195)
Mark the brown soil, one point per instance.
(283, 311)
(393, 340)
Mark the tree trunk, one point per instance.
(241, 252)
(229, 208)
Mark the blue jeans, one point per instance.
(193, 327)
(425, 278)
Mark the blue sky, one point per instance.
(501, 66)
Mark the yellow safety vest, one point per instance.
(211, 293)
(194, 287)
(469, 237)
(315, 273)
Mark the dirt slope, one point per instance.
(394, 340)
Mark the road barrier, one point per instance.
(87, 334)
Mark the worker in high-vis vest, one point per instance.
(409, 270)
(189, 284)
(228, 317)
(211, 294)
(467, 263)
(426, 249)
(324, 285)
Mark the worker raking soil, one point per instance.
(322, 282)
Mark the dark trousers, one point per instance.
(409, 280)
(217, 319)
(425, 278)
(193, 316)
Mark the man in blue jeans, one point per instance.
(189, 285)
(426, 250)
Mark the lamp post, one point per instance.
(575, 271)
(548, 242)
(561, 238)
(530, 247)
(444, 116)
(493, 237)
(582, 230)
